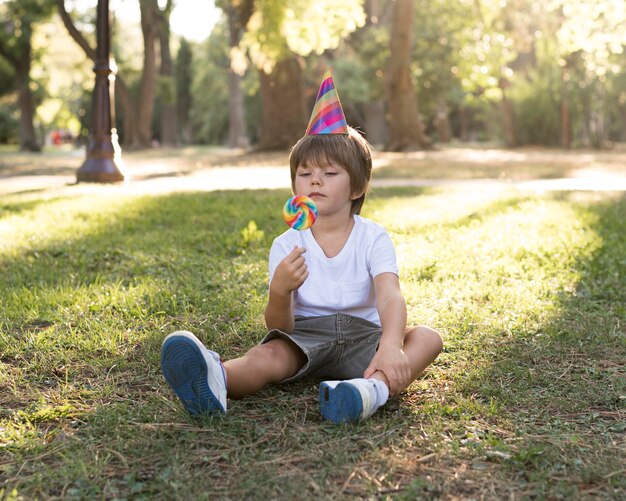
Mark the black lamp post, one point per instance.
(104, 157)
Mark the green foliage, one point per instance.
(8, 123)
(251, 235)
(183, 78)
(352, 79)
(549, 52)
(209, 112)
(17, 21)
(487, 48)
(66, 75)
(537, 107)
(166, 89)
(278, 28)
(7, 77)
(595, 27)
(438, 30)
(616, 99)
(362, 64)
(18, 17)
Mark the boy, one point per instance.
(335, 310)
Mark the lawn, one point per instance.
(528, 399)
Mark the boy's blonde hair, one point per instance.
(351, 151)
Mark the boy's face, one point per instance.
(327, 185)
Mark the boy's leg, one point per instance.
(422, 345)
(267, 363)
(357, 399)
(201, 381)
(194, 373)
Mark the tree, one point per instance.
(435, 64)
(238, 13)
(278, 34)
(183, 79)
(166, 86)
(210, 114)
(407, 131)
(138, 109)
(359, 64)
(16, 31)
(487, 49)
(590, 33)
(284, 111)
(148, 87)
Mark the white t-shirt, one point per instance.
(344, 283)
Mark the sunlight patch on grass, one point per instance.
(407, 209)
(520, 254)
(57, 222)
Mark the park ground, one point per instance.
(516, 256)
(208, 168)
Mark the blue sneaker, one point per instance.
(196, 374)
(347, 401)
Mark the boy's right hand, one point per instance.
(290, 273)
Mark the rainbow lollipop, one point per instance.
(300, 212)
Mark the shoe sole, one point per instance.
(185, 369)
(341, 404)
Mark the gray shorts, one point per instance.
(336, 346)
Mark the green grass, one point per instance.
(526, 402)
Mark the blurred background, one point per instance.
(245, 73)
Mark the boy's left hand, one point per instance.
(394, 364)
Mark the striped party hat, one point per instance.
(327, 116)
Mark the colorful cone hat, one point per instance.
(327, 116)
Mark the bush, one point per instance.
(9, 127)
(537, 109)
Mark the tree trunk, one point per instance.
(28, 139)
(168, 96)
(237, 133)
(464, 121)
(566, 119)
(238, 17)
(407, 131)
(375, 125)
(129, 116)
(284, 116)
(443, 122)
(599, 113)
(376, 129)
(149, 28)
(183, 91)
(507, 115)
(566, 124)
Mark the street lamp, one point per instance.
(104, 157)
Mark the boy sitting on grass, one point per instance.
(335, 311)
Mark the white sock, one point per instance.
(382, 392)
(376, 390)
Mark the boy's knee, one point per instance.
(428, 336)
(278, 353)
(268, 352)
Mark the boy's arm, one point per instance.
(289, 275)
(390, 359)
